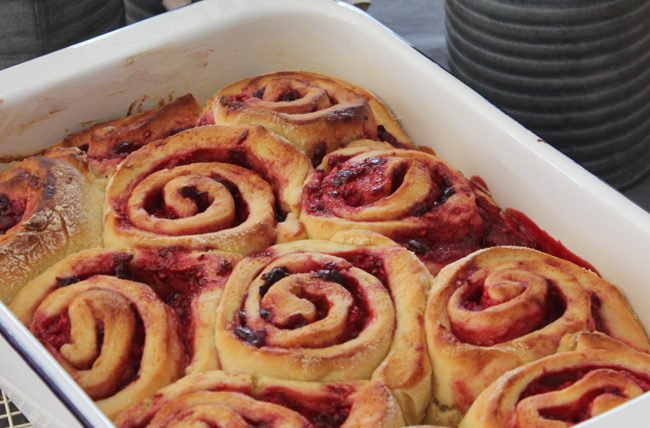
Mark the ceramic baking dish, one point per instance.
(202, 47)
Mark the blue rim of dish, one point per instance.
(45, 377)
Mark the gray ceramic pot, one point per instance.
(30, 28)
(577, 72)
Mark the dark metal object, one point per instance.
(575, 72)
(30, 28)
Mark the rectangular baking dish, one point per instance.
(202, 47)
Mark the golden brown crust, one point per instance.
(316, 113)
(126, 323)
(109, 142)
(48, 209)
(330, 310)
(211, 187)
(565, 388)
(503, 307)
(221, 397)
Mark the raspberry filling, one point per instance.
(327, 410)
(581, 408)
(490, 307)
(368, 262)
(359, 312)
(55, 332)
(116, 264)
(555, 381)
(543, 241)
(155, 203)
(176, 276)
(453, 229)
(156, 206)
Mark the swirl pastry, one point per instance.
(410, 196)
(49, 207)
(595, 375)
(502, 307)
(126, 323)
(349, 308)
(229, 188)
(109, 142)
(316, 113)
(221, 399)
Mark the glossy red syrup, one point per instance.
(545, 242)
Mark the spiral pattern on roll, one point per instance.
(330, 310)
(502, 307)
(126, 323)
(314, 112)
(228, 188)
(221, 399)
(593, 376)
(410, 196)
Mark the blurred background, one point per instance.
(576, 72)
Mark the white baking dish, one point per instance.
(202, 47)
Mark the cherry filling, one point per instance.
(10, 213)
(431, 247)
(326, 410)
